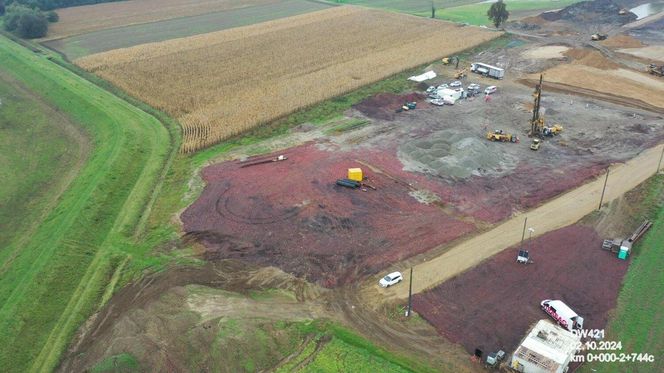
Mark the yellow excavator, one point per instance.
(460, 74)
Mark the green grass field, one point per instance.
(465, 11)
(638, 321)
(475, 14)
(122, 37)
(419, 7)
(53, 280)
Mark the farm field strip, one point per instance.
(560, 212)
(218, 87)
(128, 36)
(88, 18)
(85, 232)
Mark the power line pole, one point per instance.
(659, 165)
(601, 199)
(410, 293)
(523, 234)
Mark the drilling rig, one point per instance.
(537, 123)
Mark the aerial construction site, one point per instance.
(356, 186)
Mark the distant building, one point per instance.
(547, 348)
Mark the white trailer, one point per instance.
(564, 315)
(450, 95)
(487, 70)
(547, 348)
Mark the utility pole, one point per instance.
(410, 293)
(601, 199)
(659, 165)
(433, 10)
(523, 234)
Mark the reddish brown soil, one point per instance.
(292, 215)
(493, 305)
(384, 105)
(495, 199)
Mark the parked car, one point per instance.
(474, 87)
(391, 279)
(442, 86)
(437, 102)
(431, 89)
(490, 89)
(455, 84)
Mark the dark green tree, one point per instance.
(498, 13)
(25, 22)
(32, 25)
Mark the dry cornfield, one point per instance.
(89, 18)
(220, 84)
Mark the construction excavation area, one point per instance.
(436, 179)
(498, 176)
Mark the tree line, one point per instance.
(53, 4)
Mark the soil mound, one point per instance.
(384, 105)
(591, 11)
(591, 58)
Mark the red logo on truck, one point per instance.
(552, 312)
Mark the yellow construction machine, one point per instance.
(552, 131)
(460, 74)
(537, 127)
(536, 144)
(499, 135)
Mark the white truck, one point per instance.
(487, 70)
(563, 315)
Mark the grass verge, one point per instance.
(638, 321)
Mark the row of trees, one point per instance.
(26, 20)
(53, 4)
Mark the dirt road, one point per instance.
(560, 212)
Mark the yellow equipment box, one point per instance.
(355, 174)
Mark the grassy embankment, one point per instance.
(638, 321)
(54, 279)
